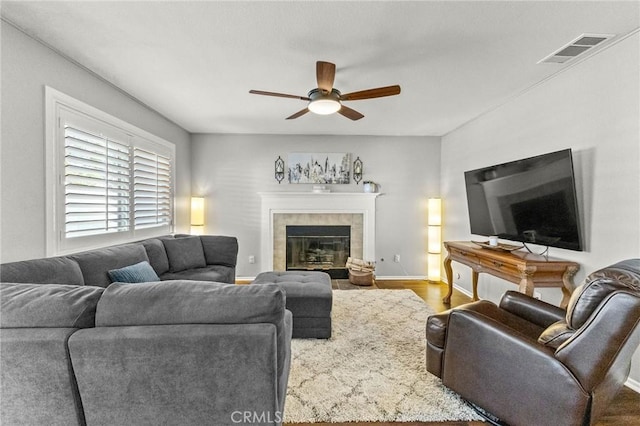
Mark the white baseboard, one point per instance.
(634, 385)
(401, 277)
(463, 291)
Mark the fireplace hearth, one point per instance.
(318, 248)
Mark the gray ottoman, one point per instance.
(309, 298)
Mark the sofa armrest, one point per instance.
(533, 310)
(482, 350)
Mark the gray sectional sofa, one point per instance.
(179, 257)
(77, 349)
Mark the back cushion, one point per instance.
(157, 255)
(48, 305)
(185, 253)
(624, 275)
(52, 270)
(220, 249)
(626, 272)
(96, 263)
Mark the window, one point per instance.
(112, 182)
(152, 189)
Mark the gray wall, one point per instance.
(27, 66)
(230, 170)
(592, 108)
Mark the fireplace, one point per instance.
(282, 209)
(318, 248)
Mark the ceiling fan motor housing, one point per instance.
(324, 103)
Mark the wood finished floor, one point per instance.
(624, 411)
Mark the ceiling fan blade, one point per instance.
(298, 114)
(279, 95)
(351, 114)
(371, 93)
(325, 74)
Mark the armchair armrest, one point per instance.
(481, 350)
(533, 310)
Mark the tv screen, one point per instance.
(531, 200)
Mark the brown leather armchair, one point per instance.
(527, 362)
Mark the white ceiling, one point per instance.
(195, 61)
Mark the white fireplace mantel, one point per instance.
(307, 202)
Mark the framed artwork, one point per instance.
(319, 168)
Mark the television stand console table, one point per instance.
(525, 269)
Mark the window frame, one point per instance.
(58, 107)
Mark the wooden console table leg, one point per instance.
(449, 272)
(526, 280)
(567, 285)
(474, 282)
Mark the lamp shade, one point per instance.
(197, 211)
(435, 211)
(433, 239)
(433, 267)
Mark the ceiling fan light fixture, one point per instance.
(323, 103)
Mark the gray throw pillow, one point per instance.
(185, 253)
(141, 272)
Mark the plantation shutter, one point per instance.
(152, 189)
(96, 184)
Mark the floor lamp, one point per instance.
(434, 237)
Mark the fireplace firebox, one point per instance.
(321, 248)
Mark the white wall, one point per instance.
(27, 66)
(230, 170)
(593, 108)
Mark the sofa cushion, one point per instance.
(95, 263)
(184, 253)
(157, 255)
(189, 302)
(48, 305)
(216, 273)
(141, 272)
(52, 270)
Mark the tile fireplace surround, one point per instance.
(280, 209)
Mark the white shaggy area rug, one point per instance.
(373, 366)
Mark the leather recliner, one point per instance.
(526, 362)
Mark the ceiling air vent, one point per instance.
(582, 44)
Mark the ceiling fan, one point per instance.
(325, 99)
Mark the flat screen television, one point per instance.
(532, 200)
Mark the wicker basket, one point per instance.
(361, 277)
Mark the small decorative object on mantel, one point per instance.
(369, 186)
(279, 173)
(357, 170)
